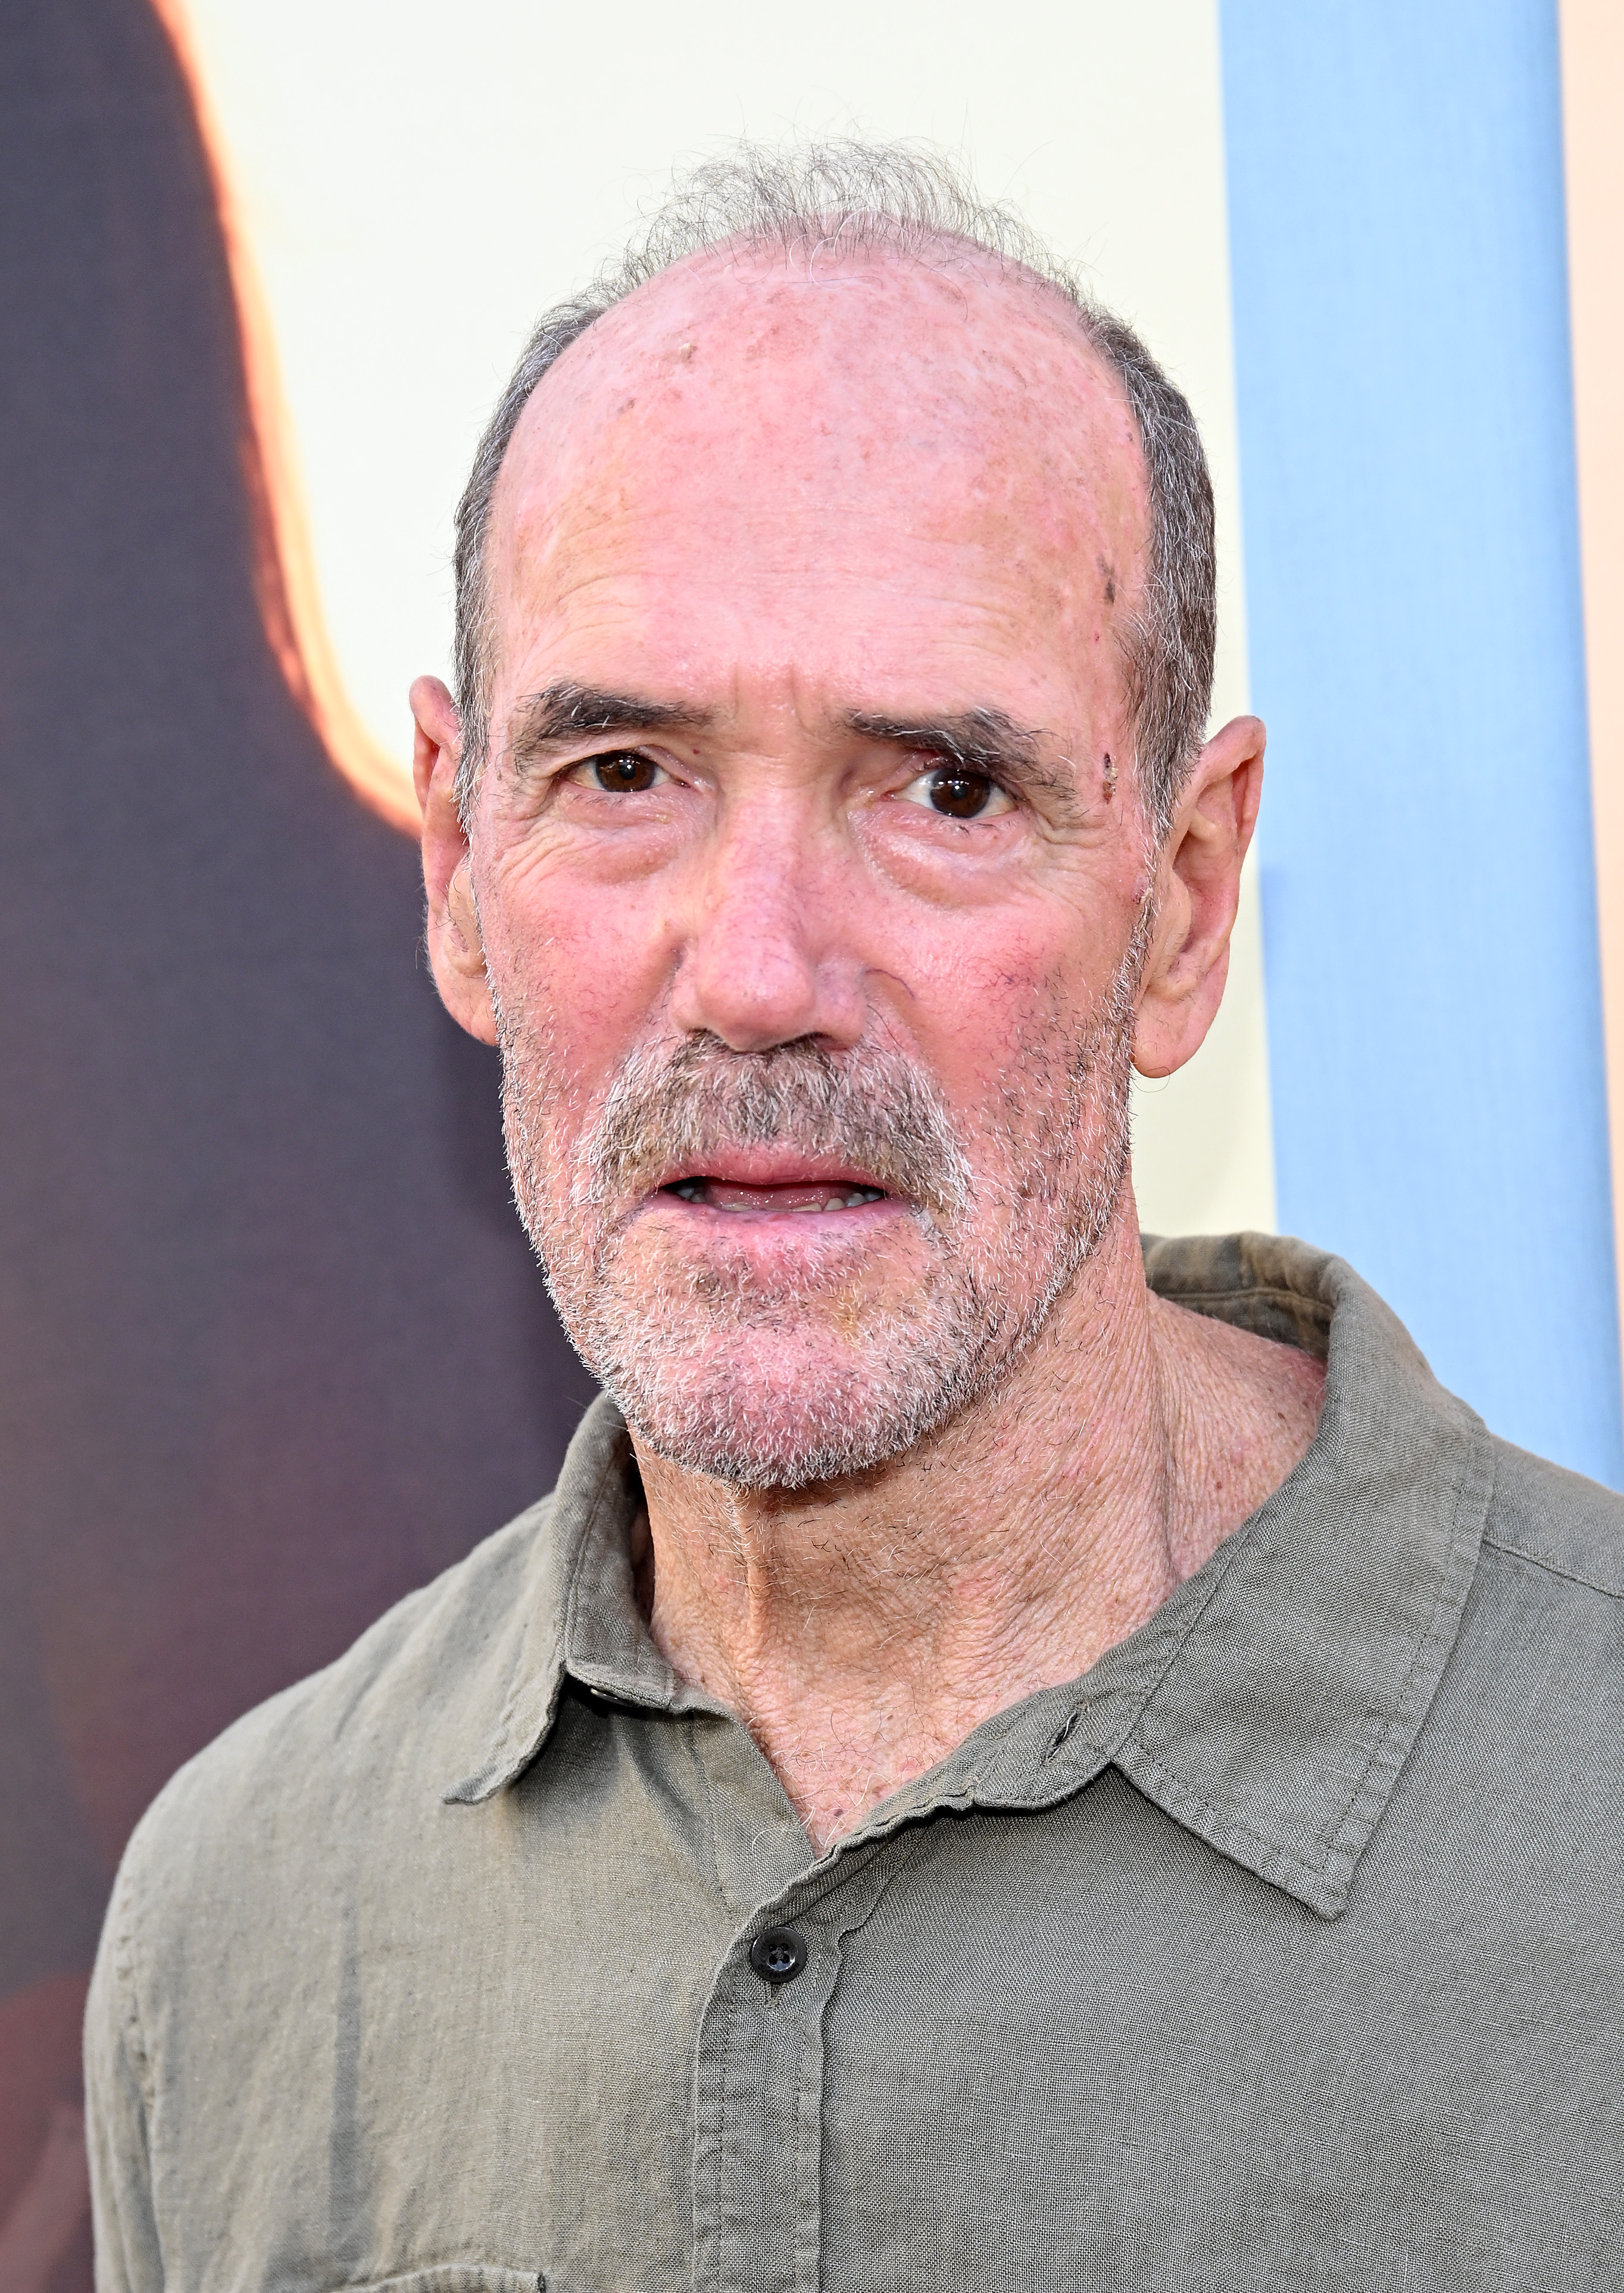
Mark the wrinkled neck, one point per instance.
(865, 1625)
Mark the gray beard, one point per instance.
(1005, 1233)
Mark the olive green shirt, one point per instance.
(1281, 1950)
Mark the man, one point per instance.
(989, 1769)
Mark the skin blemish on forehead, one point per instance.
(1111, 582)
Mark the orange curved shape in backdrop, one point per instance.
(284, 577)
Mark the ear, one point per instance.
(453, 932)
(1198, 892)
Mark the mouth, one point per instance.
(791, 1200)
(805, 1191)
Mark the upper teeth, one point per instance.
(693, 1190)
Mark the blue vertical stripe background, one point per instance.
(1413, 599)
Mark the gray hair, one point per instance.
(884, 198)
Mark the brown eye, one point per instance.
(623, 773)
(960, 795)
(954, 792)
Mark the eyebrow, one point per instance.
(980, 741)
(563, 712)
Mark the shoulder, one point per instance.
(1555, 1528)
(1539, 1668)
(1512, 1798)
(399, 1716)
(312, 1837)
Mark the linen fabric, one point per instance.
(1280, 1949)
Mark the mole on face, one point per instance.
(1110, 585)
(1109, 777)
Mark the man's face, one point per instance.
(808, 861)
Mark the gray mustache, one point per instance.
(869, 1107)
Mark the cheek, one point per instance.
(971, 1014)
(579, 968)
(988, 978)
(1002, 1025)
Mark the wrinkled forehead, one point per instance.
(797, 417)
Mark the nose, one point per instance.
(767, 951)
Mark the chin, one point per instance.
(788, 1382)
(784, 1408)
(758, 1440)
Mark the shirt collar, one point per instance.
(1268, 1705)
(577, 1612)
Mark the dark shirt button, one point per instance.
(778, 1953)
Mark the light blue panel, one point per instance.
(1413, 602)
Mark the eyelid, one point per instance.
(578, 765)
(1004, 797)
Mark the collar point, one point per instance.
(473, 1790)
(524, 1728)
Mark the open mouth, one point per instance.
(796, 1198)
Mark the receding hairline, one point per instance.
(846, 198)
(1042, 299)
(1042, 296)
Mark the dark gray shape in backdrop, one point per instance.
(272, 1350)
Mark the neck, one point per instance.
(861, 1630)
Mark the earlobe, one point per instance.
(1199, 892)
(457, 952)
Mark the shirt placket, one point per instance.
(758, 2082)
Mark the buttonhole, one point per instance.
(1063, 1732)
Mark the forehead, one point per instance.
(768, 454)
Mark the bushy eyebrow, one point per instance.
(564, 712)
(980, 741)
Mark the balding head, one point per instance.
(853, 480)
(892, 225)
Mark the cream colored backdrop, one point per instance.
(413, 183)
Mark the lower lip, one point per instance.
(748, 1209)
